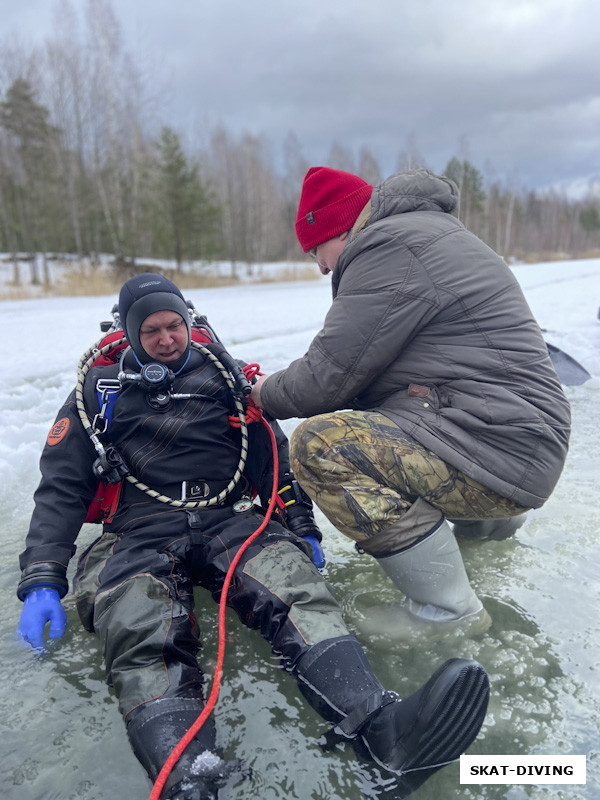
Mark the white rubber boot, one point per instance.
(438, 596)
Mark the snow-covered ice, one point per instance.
(62, 736)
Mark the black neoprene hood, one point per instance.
(146, 294)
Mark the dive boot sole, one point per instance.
(433, 726)
(452, 714)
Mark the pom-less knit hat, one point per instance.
(143, 295)
(330, 203)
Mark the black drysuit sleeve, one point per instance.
(61, 501)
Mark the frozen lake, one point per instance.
(62, 737)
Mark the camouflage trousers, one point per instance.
(380, 488)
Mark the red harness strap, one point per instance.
(105, 502)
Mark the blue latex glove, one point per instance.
(318, 557)
(39, 607)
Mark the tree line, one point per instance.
(86, 167)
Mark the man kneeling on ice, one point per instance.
(164, 429)
(429, 394)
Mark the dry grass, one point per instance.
(83, 280)
(540, 258)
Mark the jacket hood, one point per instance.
(417, 190)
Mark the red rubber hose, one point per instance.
(210, 703)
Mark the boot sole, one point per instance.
(451, 715)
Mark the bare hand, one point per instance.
(255, 395)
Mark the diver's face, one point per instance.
(164, 336)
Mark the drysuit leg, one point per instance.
(135, 593)
(277, 589)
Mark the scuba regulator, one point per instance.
(156, 380)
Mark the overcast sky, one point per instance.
(512, 85)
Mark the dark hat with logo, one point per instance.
(146, 294)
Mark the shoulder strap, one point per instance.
(108, 391)
(112, 356)
(201, 335)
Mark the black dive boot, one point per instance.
(418, 735)
(410, 738)
(154, 729)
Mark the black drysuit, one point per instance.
(134, 584)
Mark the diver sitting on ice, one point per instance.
(172, 411)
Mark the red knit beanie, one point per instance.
(330, 203)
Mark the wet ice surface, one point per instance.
(61, 736)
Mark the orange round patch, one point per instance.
(59, 431)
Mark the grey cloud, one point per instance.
(510, 83)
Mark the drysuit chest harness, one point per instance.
(156, 380)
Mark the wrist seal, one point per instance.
(43, 573)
